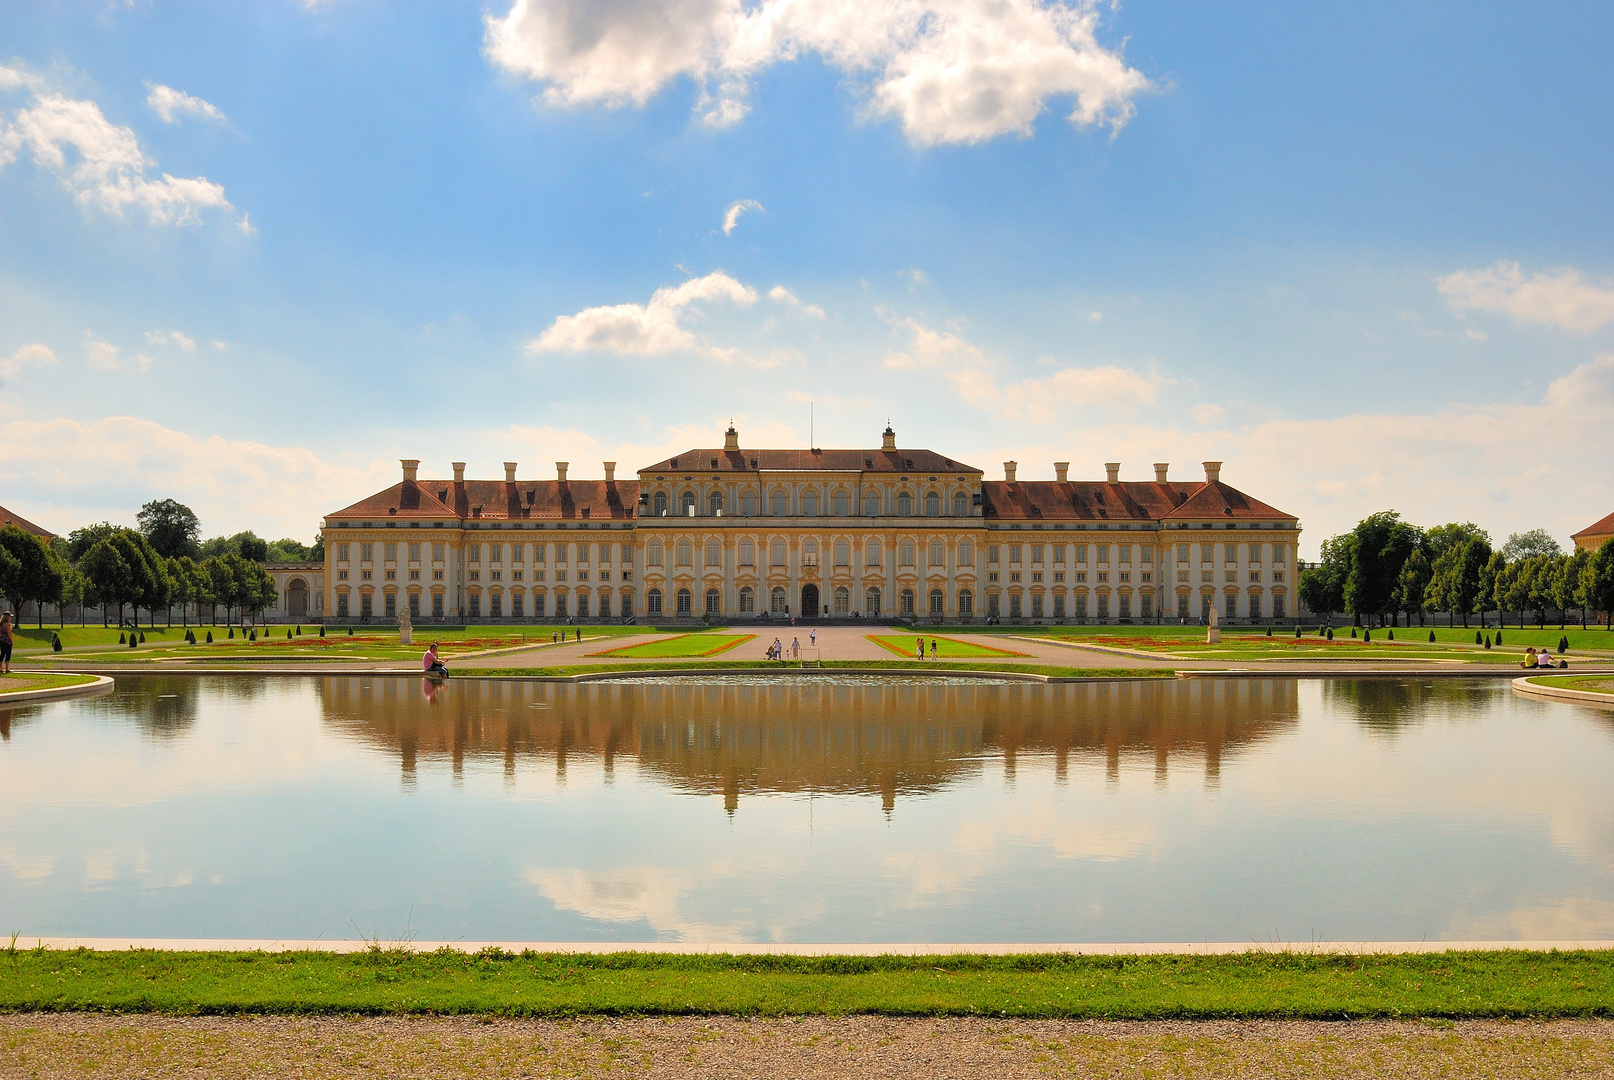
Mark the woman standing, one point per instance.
(5, 644)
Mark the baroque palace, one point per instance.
(736, 533)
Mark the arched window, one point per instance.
(748, 552)
(871, 601)
(871, 552)
(627, 602)
(714, 503)
(905, 553)
(748, 600)
(871, 504)
(842, 504)
(748, 504)
(685, 553)
(966, 553)
(714, 554)
(605, 604)
(776, 552)
(683, 602)
(652, 553)
(843, 553)
(781, 504)
(714, 602)
(932, 504)
(966, 603)
(961, 505)
(809, 552)
(938, 553)
(652, 602)
(936, 603)
(809, 504)
(905, 505)
(843, 600)
(907, 601)
(687, 504)
(582, 605)
(776, 601)
(661, 504)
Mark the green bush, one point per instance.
(1499, 635)
(322, 631)
(288, 635)
(1487, 641)
(1353, 631)
(1297, 629)
(1330, 633)
(121, 639)
(55, 643)
(1367, 635)
(350, 631)
(1392, 634)
(1563, 644)
(232, 633)
(142, 637)
(210, 637)
(299, 629)
(1478, 639)
(1431, 635)
(134, 642)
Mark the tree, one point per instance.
(1322, 587)
(1574, 578)
(1383, 542)
(222, 578)
(1565, 572)
(80, 541)
(1597, 582)
(1494, 567)
(172, 528)
(182, 572)
(74, 588)
(1443, 538)
(110, 574)
(1454, 584)
(1527, 545)
(39, 572)
(1411, 585)
(261, 589)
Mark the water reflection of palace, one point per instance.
(819, 737)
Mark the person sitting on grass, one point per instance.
(1529, 660)
(430, 666)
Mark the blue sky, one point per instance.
(1360, 253)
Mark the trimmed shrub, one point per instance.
(1431, 636)
(1499, 635)
(1563, 644)
(252, 635)
(1269, 631)
(288, 635)
(1330, 633)
(1297, 630)
(232, 633)
(56, 643)
(299, 629)
(322, 631)
(134, 642)
(142, 637)
(350, 631)
(210, 637)
(1353, 631)
(1367, 635)
(1392, 634)
(122, 640)
(1478, 638)
(1487, 641)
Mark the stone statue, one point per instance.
(1213, 634)
(406, 629)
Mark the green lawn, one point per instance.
(19, 681)
(95, 637)
(917, 667)
(390, 982)
(1595, 684)
(946, 648)
(684, 645)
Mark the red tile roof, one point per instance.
(498, 500)
(8, 518)
(1605, 527)
(1091, 500)
(919, 461)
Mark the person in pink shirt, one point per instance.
(432, 667)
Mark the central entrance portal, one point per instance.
(809, 601)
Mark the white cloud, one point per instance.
(933, 348)
(74, 471)
(16, 79)
(1561, 298)
(166, 337)
(1207, 413)
(104, 356)
(731, 217)
(781, 295)
(25, 357)
(170, 104)
(915, 275)
(102, 163)
(652, 329)
(950, 71)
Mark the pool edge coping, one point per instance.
(1588, 697)
(98, 684)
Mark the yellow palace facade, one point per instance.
(735, 533)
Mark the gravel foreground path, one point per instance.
(865, 1048)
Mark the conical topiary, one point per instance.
(122, 640)
(299, 629)
(56, 643)
(210, 637)
(288, 635)
(1499, 635)
(232, 633)
(134, 642)
(322, 631)
(1269, 631)
(1478, 638)
(1367, 635)
(1297, 630)
(142, 637)
(253, 636)
(1487, 641)
(350, 631)
(1330, 633)
(1431, 636)
(1353, 631)
(1563, 644)
(1392, 633)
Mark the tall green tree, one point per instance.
(1576, 587)
(1527, 545)
(1411, 585)
(1561, 594)
(1597, 582)
(110, 574)
(182, 573)
(1443, 538)
(38, 577)
(1494, 568)
(171, 527)
(1383, 542)
(80, 541)
(1322, 587)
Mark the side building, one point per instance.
(736, 533)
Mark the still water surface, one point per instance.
(837, 808)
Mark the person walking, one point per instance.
(5, 644)
(812, 636)
(921, 648)
(933, 648)
(795, 648)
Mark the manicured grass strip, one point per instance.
(946, 648)
(18, 681)
(1592, 684)
(1447, 985)
(690, 645)
(787, 667)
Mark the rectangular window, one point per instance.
(992, 605)
(582, 557)
(1014, 553)
(496, 553)
(1103, 552)
(341, 575)
(625, 554)
(437, 606)
(1014, 575)
(1059, 554)
(991, 554)
(1277, 606)
(496, 606)
(560, 557)
(1206, 575)
(497, 575)
(1036, 605)
(414, 575)
(1036, 575)
(1255, 575)
(1036, 553)
(341, 553)
(1059, 605)
(1148, 555)
(1081, 605)
(1103, 605)
(518, 606)
(1081, 575)
(414, 552)
(1126, 553)
(473, 553)
(1146, 605)
(1014, 606)
(1230, 553)
(1104, 575)
(392, 575)
(560, 605)
(366, 575)
(1255, 554)
(540, 553)
(515, 575)
(518, 552)
(476, 575)
(476, 605)
(1182, 553)
(366, 552)
(605, 555)
(539, 602)
(1059, 575)
(1278, 551)
(1231, 576)
(1147, 576)
(392, 551)
(437, 575)
(1232, 606)
(1081, 553)
(437, 552)
(1126, 606)
(991, 575)
(1207, 553)
(1126, 575)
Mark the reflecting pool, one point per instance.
(817, 808)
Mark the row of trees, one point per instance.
(1385, 568)
(174, 531)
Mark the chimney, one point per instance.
(1160, 468)
(1112, 469)
(509, 472)
(459, 472)
(731, 438)
(411, 466)
(888, 438)
(560, 471)
(1061, 471)
(1008, 471)
(1213, 471)
(610, 472)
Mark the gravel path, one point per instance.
(865, 1048)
